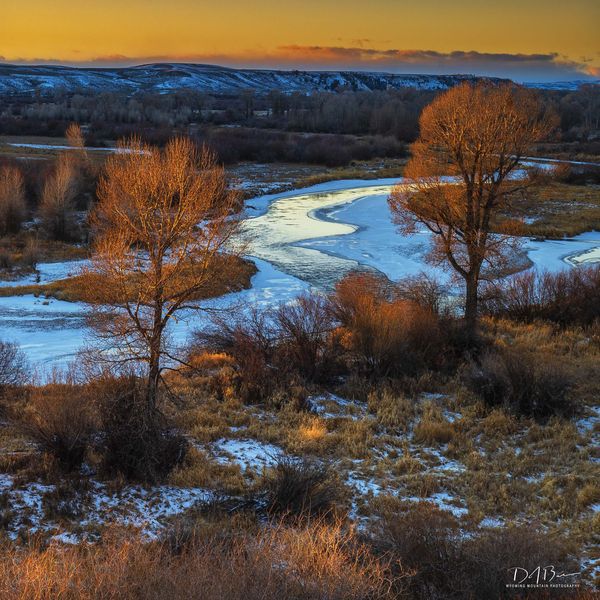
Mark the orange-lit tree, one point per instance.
(163, 220)
(477, 134)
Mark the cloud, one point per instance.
(520, 67)
(594, 71)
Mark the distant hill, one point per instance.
(563, 85)
(166, 77)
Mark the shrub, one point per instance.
(306, 341)
(527, 383)
(13, 366)
(392, 411)
(137, 444)
(31, 254)
(60, 420)
(272, 351)
(426, 291)
(423, 538)
(250, 341)
(6, 260)
(447, 564)
(570, 297)
(431, 431)
(389, 336)
(300, 487)
(487, 559)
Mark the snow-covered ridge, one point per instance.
(166, 77)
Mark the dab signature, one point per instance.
(538, 575)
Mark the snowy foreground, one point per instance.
(298, 239)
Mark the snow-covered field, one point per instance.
(298, 239)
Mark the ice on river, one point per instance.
(51, 332)
(298, 239)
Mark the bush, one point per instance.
(306, 338)
(570, 297)
(300, 487)
(488, 559)
(529, 384)
(31, 254)
(136, 444)
(390, 336)
(272, 351)
(13, 366)
(430, 431)
(6, 260)
(250, 342)
(426, 291)
(448, 564)
(60, 419)
(422, 538)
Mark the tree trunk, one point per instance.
(155, 348)
(471, 305)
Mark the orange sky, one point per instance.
(556, 37)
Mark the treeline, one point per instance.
(392, 113)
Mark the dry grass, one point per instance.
(433, 428)
(560, 209)
(389, 169)
(199, 470)
(314, 561)
(392, 411)
(78, 288)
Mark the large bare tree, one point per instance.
(161, 226)
(478, 135)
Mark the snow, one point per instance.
(61, 147)
(145, 508)
(557, 255)
(588, 424)
(491, 522)
(322, 406)
(165, 77)
(47, 273)
(365, 487)
(249, 454)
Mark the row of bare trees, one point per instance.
(58, 194)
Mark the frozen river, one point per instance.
(299, 239)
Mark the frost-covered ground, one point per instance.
(31, 508)
(47, 273)
(483, 476)
(302, 238)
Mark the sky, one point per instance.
(526, 40)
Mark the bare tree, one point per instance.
(74, 136)
(161, 227)
(12, 200)
(58, 199)
(478, 134)
(75, 139)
